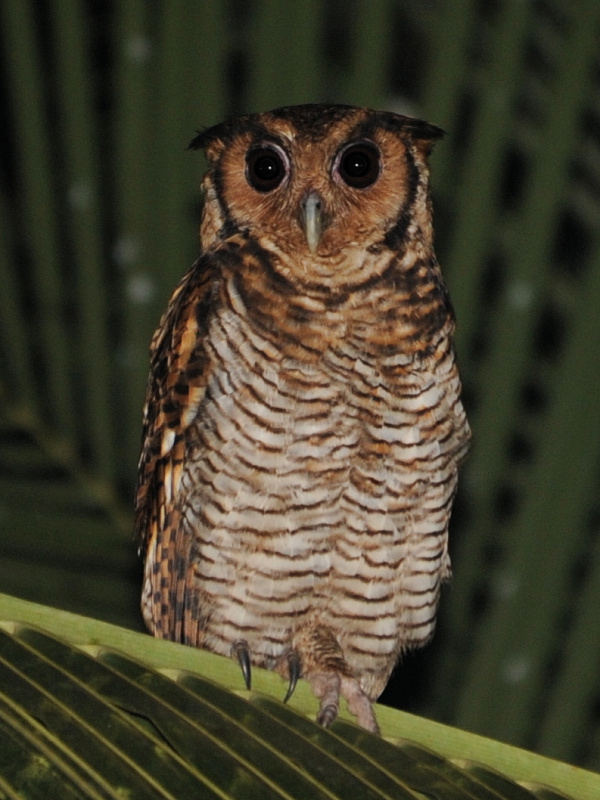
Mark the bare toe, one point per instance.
(359, 704)
(326, 686)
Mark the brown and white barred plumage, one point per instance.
(303, 424)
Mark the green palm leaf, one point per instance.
(89, 709)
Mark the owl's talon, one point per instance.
(294, 669)
(242, 653)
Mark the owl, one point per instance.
(303, 424)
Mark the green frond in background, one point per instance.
(88, 709)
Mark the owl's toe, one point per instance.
(359, 704)
(329, 686)
(295, 670)
(326, 686)
(328, 712)
(241, 651)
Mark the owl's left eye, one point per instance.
(265, 168)
(358, 164)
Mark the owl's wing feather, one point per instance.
(179, 367)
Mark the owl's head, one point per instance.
(327, 189)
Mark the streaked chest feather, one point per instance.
(279, 435)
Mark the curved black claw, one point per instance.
(295, 669)
(242, 653)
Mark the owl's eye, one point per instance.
(358, 165)
(265, 168)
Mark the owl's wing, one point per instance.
(179, 367)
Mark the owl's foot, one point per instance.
(318, 657)
(241, 651)
(329, 686)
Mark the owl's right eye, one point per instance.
(265, 168)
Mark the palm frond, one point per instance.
(88, 709)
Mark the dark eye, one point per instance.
(359, 165)
(265, 168)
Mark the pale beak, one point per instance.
(312, 219)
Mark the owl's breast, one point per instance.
(267, 458)
(308, 485)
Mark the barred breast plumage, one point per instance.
(303, 423)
